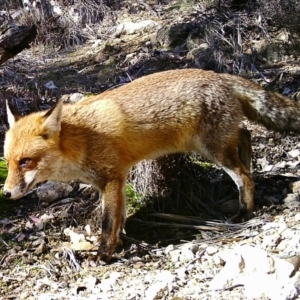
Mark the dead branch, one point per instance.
(14, 39)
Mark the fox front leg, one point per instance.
(113, 216)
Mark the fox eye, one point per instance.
(23, 163)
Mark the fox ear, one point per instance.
(53, 118)
(11, 117)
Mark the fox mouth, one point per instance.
(15, 191)
(15, 195)
(29, 181)
(29, 187)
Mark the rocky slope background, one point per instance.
(178, 242)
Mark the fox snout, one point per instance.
(11, 194)
(14, 193)
(7, 194)
(16, 186)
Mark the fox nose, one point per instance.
(7, 194)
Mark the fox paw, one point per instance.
(107, 248)
(242, 217)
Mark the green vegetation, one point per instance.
(182, 5)
(3, 170)
(134, 200)
(204, 164)
(6, 206)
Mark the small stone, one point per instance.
(90, 282)
(284, 268)
(268, 168)
(294, 153)
(181, 255)
(297, 217)
(280, 165)
(295, 186)
(210, 250)
(218, 261)
(75, 97)
(286, 91)
(229, 273)
(169, 248)
(186, 255)
(174, 255)
(158, 290)
(53, 190)
(292, 200)
(272, 200)
(42, 248)
(191, 246)
(50, 85)
(292, 164)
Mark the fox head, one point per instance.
(31, 149)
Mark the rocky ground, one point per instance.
(48, 240)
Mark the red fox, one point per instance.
(98, 140)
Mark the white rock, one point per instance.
(256, 260)
(156, 291)
(191, 246)
(131, 28)
(295, 186)
(169, 248)
(217, 260)
(210, 250)
(46, 218)
(284, 269)
(280, 165)
(108, 283)
(89, 282)
(268, 168)
(75, 97)
(161, 286)
(280, 225)
(75, 237)
(292, 200)
(181, 273)
(293, 164)
(174, 255)
(186, 255)
(261, 274)
(181, 255)
(229, 274)
(88, 229)
(294, 153)
(270, 241)
(259, 285)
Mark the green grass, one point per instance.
(3, 170)
(7, 207)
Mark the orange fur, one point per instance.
(98, 140)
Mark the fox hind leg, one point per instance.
(232, 155)
(238, 171)
(245, 150)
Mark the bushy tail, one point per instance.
(272, 110)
